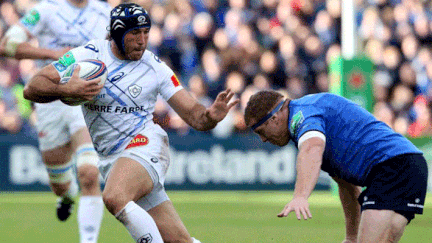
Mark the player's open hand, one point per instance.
(77, 87)
(300, 206)
(222, 105)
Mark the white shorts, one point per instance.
(150, 148)
(56, 122)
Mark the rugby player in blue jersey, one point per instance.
(339, 137)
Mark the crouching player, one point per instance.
(343, 139)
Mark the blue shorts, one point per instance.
(397, 184)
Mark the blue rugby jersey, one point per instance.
(355, 140)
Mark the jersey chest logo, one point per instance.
(134, 90)
(296, 121)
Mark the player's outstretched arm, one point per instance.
(45, 86)
(15, 44)
(309, 160)
(349, 194)
(196, 115)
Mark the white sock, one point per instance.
(139, 223)
(195, 240)
(90, 213)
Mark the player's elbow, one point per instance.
(30, 94)
(27, 93)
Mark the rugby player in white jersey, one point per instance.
(133, 151)
(63, 137)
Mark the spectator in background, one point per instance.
(15, 109)
(422, 125)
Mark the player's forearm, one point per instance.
(200, 119)
(308, 168)
(349, 194)
(27, 51)
(42, 90)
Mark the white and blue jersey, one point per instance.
(127, 102)
(58, 24)
(355, 140)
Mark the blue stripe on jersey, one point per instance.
(137, 126)
(79, 16)
(115, 97)
(115, 70)
(83, 35)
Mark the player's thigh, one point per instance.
(381, 226)
(169, 223)
(53, 134)
(77, 127)
(58, 156)
(127, 181)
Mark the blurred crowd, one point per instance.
(251, 45)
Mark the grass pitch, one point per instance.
(219, 217)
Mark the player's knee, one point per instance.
(60, 174)
(87, 159)
(114, 201)
(397, 228)
(88, 176)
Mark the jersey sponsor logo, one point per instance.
(60, 67)
(67, 59)
(134, 90)
(31, 18)
(114, 109)
(117, 77)
(296, 121)
(147, 238)
(139, 140)
(92, 47)
(175, 80)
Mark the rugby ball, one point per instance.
(89, 69)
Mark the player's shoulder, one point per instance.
(47, 5)
(100, 5)
(152, 60)
(97, 45)
(319, 98)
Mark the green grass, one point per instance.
(231, 217)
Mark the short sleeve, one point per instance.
(88, 51)
(304, 121)
(169, 83)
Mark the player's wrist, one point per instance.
(63, 90)
(209, 117)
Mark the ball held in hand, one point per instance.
(89, 69)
